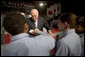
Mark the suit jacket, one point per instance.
(41, 23)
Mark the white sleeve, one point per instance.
(50, 42)
(42, 33)
(46, 39)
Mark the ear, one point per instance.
(66, 24)
(26, 27)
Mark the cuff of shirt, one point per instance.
(49, 30)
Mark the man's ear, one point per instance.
(26, 27)
(66, 24)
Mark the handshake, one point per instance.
(34, 32)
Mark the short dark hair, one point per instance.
(70, 18)
(81, 21)
(14, 23)
(80, 25)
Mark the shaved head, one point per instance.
(34, 13)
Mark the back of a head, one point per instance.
(14, 23)
(80, 25)
(81, 21)
(70, 18)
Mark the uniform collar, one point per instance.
(70, 31)
(16, 37)
(64, 33)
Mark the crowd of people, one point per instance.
(28, 38)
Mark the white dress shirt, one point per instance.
(36, 24)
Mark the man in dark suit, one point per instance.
(37, 22)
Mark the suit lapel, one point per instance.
(39, 23)
(32, 24)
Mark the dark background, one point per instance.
(74, 6)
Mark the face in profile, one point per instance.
(61, 25)
(26, 28)
(34, 14)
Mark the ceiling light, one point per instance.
(41, 4)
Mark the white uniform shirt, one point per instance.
(23, 45)
(69, 45)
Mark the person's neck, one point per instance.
(25, 31)
(66, 29)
